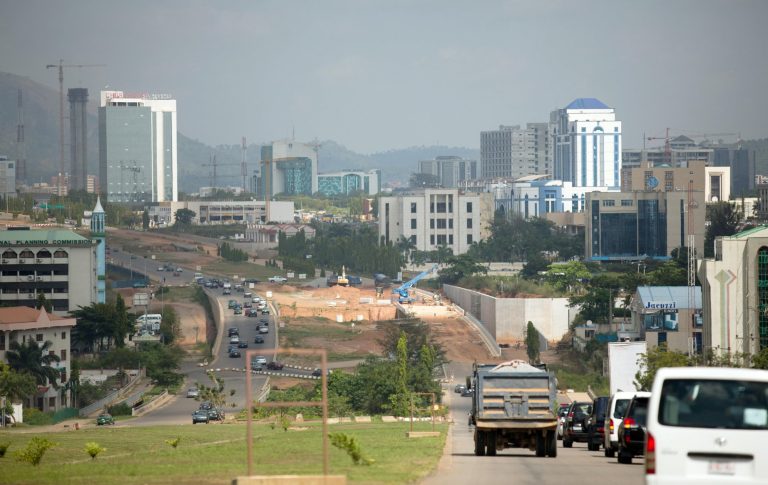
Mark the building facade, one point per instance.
(735, 293)
(587, 144)
(78, 137)
(513, 152)
(223, 212)
(288, 167)
(20, 324)
(450, 170)
(138, 160)
(642, 225)
(349, 181)
(99, 236)
(742, 164)
(431, 218)
(669, 315)
(7, 177)
(714, 182)
(682, 150)
(57, 263)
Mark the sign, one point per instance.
(140, 299)
(667, 321)
(660, 305)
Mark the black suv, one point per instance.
(576, 423)
(596, 423)
(632, 430)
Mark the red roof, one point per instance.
(25, 314)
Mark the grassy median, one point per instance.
(216, 453)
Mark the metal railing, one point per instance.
(109, 398)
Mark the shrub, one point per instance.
(93, 449)
(174, 442)
(34, 451)
(35, 417)
(351, 446)
(4, 448)
(121, 409)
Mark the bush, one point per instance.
(121, 409)
(35, 417)
(4, 448)
(351, 446)
(33, 453)
(174, 442)
(93, 449)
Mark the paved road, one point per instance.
(573, 466)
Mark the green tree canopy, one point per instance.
(723, 218)
(35, 360)
(460, 266)
(184, 216)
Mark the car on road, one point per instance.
(226, 291)
(260, 359)
(251, 312)
(274, 365)
(632, 430)
(596, 423)
(247, 294)
(234, 353)
(200, 416)
(278, 279)
(206, 405)
(459, 388)
(264, 321)
(576, 423)
(265, 311)
(232, 304)
(104, 418)
(258, 340)
(193, 392)
(614, 412)
(215, 414)
(233, 331)
(247, 304)
(256, 366)
(263, 329)
(242, 345)
(707, 425)
(561, 414)
(468, 392)
(238, 310)
(234, 339)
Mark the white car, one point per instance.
(615, 414)
(707, 425)
(234, 339)
(278, 279)
(260, 359)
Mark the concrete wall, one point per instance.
(507, 318)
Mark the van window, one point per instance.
(639, 411)
(621, 408)
(704, 403)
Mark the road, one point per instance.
(573, 466)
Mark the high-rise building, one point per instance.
(78, 136)
(138, 147)
(349, 181)
(7, 177)
(449, 170)
(292, 168)
(98, 235)
(513, 152)
(587, 144)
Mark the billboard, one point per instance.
(662, 321)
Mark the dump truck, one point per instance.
(513, 406)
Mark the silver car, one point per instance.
(193, 392)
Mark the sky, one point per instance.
(376, 75)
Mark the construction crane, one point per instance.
(402, 290)
(61, 67)
(214, 174)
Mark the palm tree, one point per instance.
(35, 360)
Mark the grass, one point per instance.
(178, 293)
(579, 381)
(214, 454)
(243, 270)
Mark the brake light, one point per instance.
(570, 415)
(650, 454)
(610, 425)
(600, 430)
(629, 423)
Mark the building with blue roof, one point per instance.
(587, 144)
(669, 315)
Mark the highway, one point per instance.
(572, 466)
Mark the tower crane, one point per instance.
(61, 67)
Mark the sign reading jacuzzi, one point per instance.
(660, 305)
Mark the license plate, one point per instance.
(577, 427)
(721, 468)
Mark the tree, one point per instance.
(459, 267)
(14, 386)
(569, 276)
(532, 343)
(43, 302)
(122, 326)
(33, 359)
(400, 399)
(723, 218)
(655, 359)
(184, 216)
(424, 180)
(145, 219)
(669, 274)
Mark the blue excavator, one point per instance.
(402, 290)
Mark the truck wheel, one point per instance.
(490, 443)
(551, 444)
(479, 443)
(609, 452)
(541, 445)
(624, 458)
(591, 446)
(567, 443)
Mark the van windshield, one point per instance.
(705, 403)
(621, 408)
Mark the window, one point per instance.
(413, 223)
(39, 337)
(63, 335)
(431, 223)
(52, 353)
(469, 223)
(450, 223)
(2, 341)
(442, 240)
(432, 239)
(469, 207)
(450, 238)
(63, 375)
(63, 354)
(469, 238)
(609, 203)
(51, 402)
(441, 207)
(441, 224)
(413, 207)
(432, 207)
(627, 203)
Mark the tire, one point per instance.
(609, 452)
(490, 443)
(624, 458)
(591, 446)
(541, 445)
(567, 443)
(552, 444)
(479, 443)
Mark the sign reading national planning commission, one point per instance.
(47, 242)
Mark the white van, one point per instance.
(149, 318)
(613, 418)
(707, 425)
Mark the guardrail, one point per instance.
(109, 398)
(144, 408)
(486, 336)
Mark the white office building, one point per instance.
(587, 144)
(138, 160)
(288, 167)
(7, 177)
(436, 217)
(223, 212)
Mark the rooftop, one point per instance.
(587, 103)
(59, 237)
(25, 314)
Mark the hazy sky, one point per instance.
(376, 75)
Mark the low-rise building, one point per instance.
(348, 182)
(670, 315)
(223, 212)
(21, 324)
(268, 234)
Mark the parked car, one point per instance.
(274, 365)
(707, 425)
(193, 392)
(104, 418)
(596, 423)
(459, 388)
(614, 413)
(632, 430)
(576, 423)
(278, 279)
(242, 345)
(258, 340)
(200, 416)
